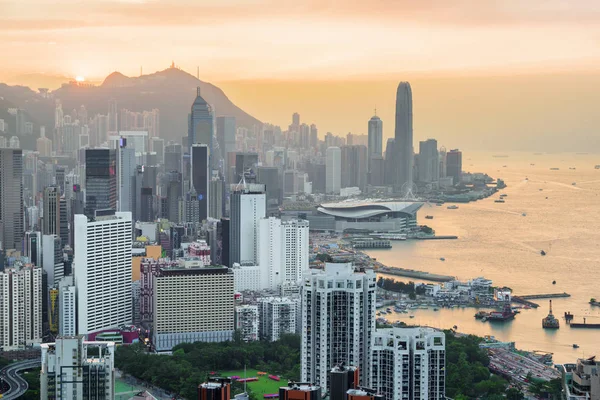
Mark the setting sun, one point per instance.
(80, 78)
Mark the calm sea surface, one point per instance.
(496, 241)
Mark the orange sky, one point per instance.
(295, 39)
(509, 73)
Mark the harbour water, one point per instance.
(557, 211)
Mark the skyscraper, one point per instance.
(51, 220)
(283, 251)
(103, 270)
(333, 170)
(429, 164)
(338, 321)
(226, 129)
(11, 199)
(173, 158)
(354, 166)
(454, 165)
(200, 126)
(403, 146)
(246, 165)
(269, 176)
(100, 180)
(408, 363)
(113, 116)
(389, 171)
(217, 187)
(200, 155)
(126, 177)
(375, 139)
(248, 207)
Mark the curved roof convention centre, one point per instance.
(369, 209)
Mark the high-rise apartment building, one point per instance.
(338, 320)
(33, 247)
(408, 363)
(71, 371)
(100, 180)
(454, 165)
(192, 303)
(11, 199)
(277, 317)
(200, 124)
(20, 306)
(375, 134)
(248, 207)
(283, 251)
(246, 322)
(200, 155)
(43, 144)
(67, 307)
(429, 161)
(403, 138)
(103, 270)
(53, 260)
(333, 170)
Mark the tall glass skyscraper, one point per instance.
(11, 199)
(403, 144)
(200, 126)
(375, 139)
(100, 180)
(200, 156)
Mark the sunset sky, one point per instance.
(237, 43)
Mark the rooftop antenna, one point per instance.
(375, 110)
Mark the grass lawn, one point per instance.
(263, 386)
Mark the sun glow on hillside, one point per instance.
(80, 78)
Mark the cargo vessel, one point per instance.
(506, 314)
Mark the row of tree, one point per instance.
(393, 285)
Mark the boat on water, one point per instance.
(554, 282)
(499, 201)
(543, 253)
(480, 314)
(501, 316)
(436, 309)
(575, 346)
(524, 214)
(554, 169)
(568, 316)
(550, 322)
(597, 166)
(393, 236)
(429, 217)
(412, 316)
(452, 207)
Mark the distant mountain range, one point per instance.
(172, 91)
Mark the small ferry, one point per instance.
(429, 217)
(452, 207)
(575, 346)
(554, 169)
(499, 201)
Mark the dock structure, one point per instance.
(519, 299)
(544, 296)
(411, 273)
(441, 237)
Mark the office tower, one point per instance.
(157, 145)
(333, 170)
(53, 262)
(408, 363)
(296, 119)
(103, 270)
(246, 165)
(20, 306)
(269, 176)
(376, 175)
(354, 166)
(429, 164)
(403, 138)
(226, 129)
(100, 180)
(246, 322)
(290, 182)
(248, 207)
(173, 158)
(189, 209)
(67, 306)
(11, 199)
(76, 208)
(341, 379)
(375, 127)
(454, 165)
(389, 172)
(50, 315)
(20, 122)
(317, 175)
(200, 124)
(60, 175)
(126, 181)
(173, 194)
(299, 391)
(192, 303)
(217, 187)
(338, 319)
(64, 221)
(314, 136)
(200, 155)
(113, 116)
(33, 247)
(283, 251)
(43, 144)
(215, 389)
(137, 140)
(277, 316)
(69, 373)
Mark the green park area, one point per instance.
(264, 385)
(124, 390)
